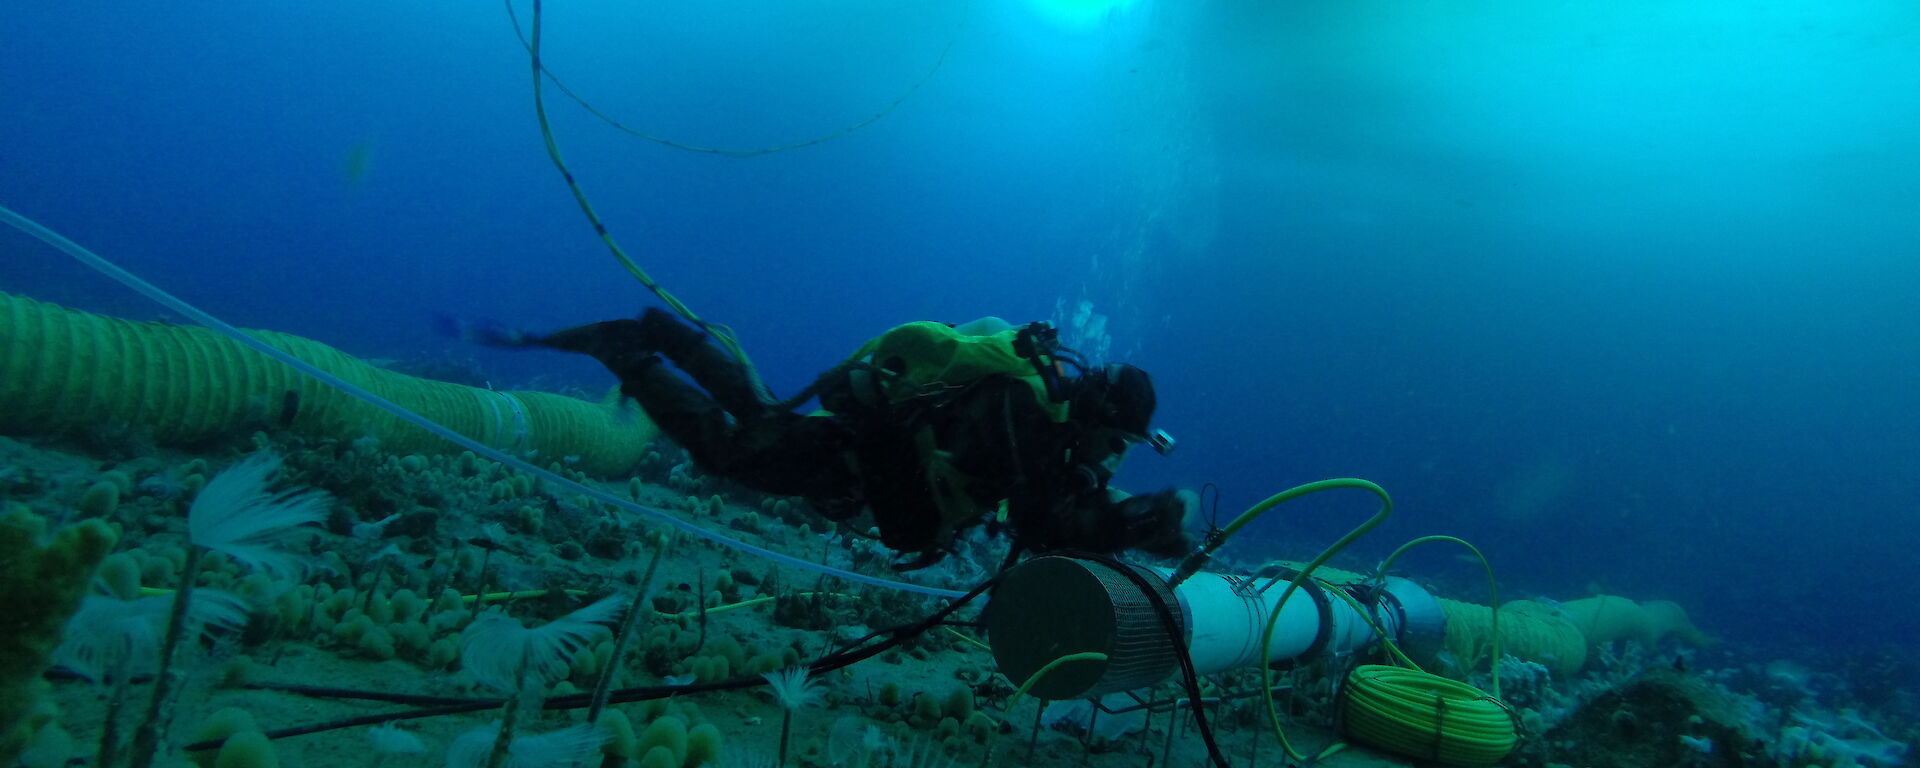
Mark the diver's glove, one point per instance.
(484, 332)
(1156, 524)
(620, 345)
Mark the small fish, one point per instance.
(492, 536)
(359, 161)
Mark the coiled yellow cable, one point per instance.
(1417, 714)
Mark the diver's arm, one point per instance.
(1071, 508)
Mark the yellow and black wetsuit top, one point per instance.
(967, 426)
(927, 357)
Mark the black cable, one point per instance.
(1140, 705)
(896, 636)
(1168, 704)
(322, 692)
(1171, 623)
(62, 674)
(1213, 512)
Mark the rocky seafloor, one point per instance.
(363, 652)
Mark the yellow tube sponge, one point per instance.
(1606, 618)
(1670, 619)
(45, 583)
(1529, 631)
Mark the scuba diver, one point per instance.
(929, 428)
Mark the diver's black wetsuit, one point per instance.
(994, 430)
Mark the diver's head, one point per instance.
(1116, 397)
(1114, 404)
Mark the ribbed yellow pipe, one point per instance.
(1605, 618)
(1528, 630)
(1559, 637)
(63, 369)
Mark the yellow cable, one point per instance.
(821, 139)
(1266, 633)
(1049, 667)
(968, 640)
(492, 596)
(747, 604)
(1378, 631)
(1493, 591)
(721, 333)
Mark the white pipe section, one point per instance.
(1225, 615)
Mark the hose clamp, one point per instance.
(1322, 605)
(510, 430)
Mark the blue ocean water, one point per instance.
(1621, 292)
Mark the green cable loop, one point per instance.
(1049, 667)
(1493, 590)
(1266, 633)
(966, 14)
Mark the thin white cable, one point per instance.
(151, 291)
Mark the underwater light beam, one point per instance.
(1079, 14)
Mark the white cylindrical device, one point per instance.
(1054, 606)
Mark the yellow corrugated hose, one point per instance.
(63, 370)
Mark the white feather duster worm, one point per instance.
(114, 639)
(502, 654)
(793, 691)
(109, 634)
(576, 747)
(388, 740)
(236, 515)
(508, 657)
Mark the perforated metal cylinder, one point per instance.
(1050, 607)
